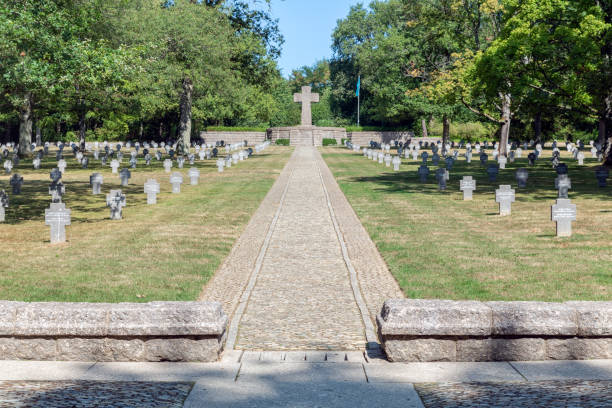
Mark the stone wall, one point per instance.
(307, 135)
(157, 331)
(252, 138)
(364, 138)
(444, 330)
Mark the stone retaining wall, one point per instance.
(307, 135)
(252, 138)
(364, 138)
(444, 330)
(157, 331)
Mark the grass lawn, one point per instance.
(166, 251)
(439, 246)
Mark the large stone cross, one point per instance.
(306, 98)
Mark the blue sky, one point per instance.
(307, 26)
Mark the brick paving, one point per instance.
(542, 394)
(88, 394)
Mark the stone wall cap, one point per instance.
(40, 319)
(419, 317)
(594, 318)
(533, 319)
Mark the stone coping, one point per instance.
(105, 319)
(427, 330)
(156, 331)
(299, 127)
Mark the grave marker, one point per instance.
(115, 200)
(563, 213)
(16, 181)
(151, 189)
(467, 185)
(176, 179)
(194, 176)
(96, 180)
(57, 216)
(505, 197)
(521, 177)
(4, 203)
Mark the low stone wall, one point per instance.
(157, 331)
(444, 330)
(364, 138)
(252, 138)
(307, 135)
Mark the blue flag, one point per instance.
(358, 85)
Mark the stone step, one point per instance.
(299, 356)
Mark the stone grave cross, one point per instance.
(306, 98)
(151, 189)
(563, 213)
(467, 185)
(505, 197)
(57, 216)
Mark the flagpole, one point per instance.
(358, 98)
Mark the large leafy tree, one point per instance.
(562, 49)
(43, 43)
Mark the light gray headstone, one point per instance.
(151, 189)
(505, 197)
(467, 185)
(57, 216)
(167, 165)
(194, 176)
(114, 164)
(176, 179)
(563, 213)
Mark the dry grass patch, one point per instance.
(163, 252)
(439, 246)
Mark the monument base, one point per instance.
(307, 135)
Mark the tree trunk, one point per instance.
(82, 131)
(25, 125)
(140, 132)
(424, 126)
(185, 123)
(505, 130)
(445, 131)
(537, 127)
(161, 131)
(38, 135)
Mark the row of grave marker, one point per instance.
(563, 212)
(57, 216)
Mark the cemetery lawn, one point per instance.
(439, 246)
(159, 252)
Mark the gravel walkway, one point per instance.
(303, 297)
(305, 274)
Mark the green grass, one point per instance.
(166, 251)
(439, 246)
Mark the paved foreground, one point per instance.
(305, 275)
(318, 380)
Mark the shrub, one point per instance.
(282, 142)
(329, 142)
(343, 141)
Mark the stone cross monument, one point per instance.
(306, 98)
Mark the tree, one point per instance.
(563, 48)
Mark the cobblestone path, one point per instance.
(303, 297)
(294, 279)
